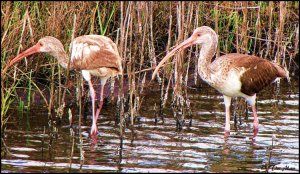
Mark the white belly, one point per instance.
(230, 86)
(103, 72)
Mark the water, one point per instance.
(39, 145)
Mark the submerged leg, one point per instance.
(227, 101)
(103, 82)
(251, 101)
(255, 118)
(87, 77)
(94, 129)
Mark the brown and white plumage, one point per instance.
(233, 75)
(92, 54)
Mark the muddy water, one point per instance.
(39, 145)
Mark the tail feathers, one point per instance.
(282, 71)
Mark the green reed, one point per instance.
(103, 25)
(21, 106)
(29, 91)
(143, 31)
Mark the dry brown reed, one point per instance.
(144, 32)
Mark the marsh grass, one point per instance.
(29, 91)
(7, 97)
(144, 33)
(102, 15)
(21, 106)
(269, 164)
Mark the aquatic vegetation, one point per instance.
(144, 32)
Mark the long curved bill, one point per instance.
(183, 45)
(29, 51)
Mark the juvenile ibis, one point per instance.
(92, 54)
(233, 75)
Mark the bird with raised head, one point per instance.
(233, 75)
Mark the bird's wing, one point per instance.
(94, 51)
(257, 73)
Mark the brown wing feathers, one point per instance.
(97, 59)
(259, 74)
(106, 56)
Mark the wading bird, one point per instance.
(92, 54)
(233, 75)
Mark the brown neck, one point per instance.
(61, 57)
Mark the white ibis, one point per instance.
(233, 75)
(92, 54)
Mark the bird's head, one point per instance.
(46, 44)
(49, 44)
(200, 35)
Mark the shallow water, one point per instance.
(39, 145)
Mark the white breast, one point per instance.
(104, 72)
(231, 85)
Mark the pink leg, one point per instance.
(101, 103)
(251, 101)
(227, 101)
(255, 123)
(94, 129)
(255, 119)
(103, 81)
(227, 119)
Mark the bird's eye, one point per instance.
(199, 34)
(41, 44)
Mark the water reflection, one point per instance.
(39, 145)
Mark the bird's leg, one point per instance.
(255, 119)
(227, 101)
(255, 122)
(94, 129)
(87, 76)
(236, 107)
(99, 106)
(251, 101)
(103, 82)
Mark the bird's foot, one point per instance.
(255, 131)
(227, 128)
(94, 141)
(255, 128)
(94, 130)
(226, 133)
(255, 125)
